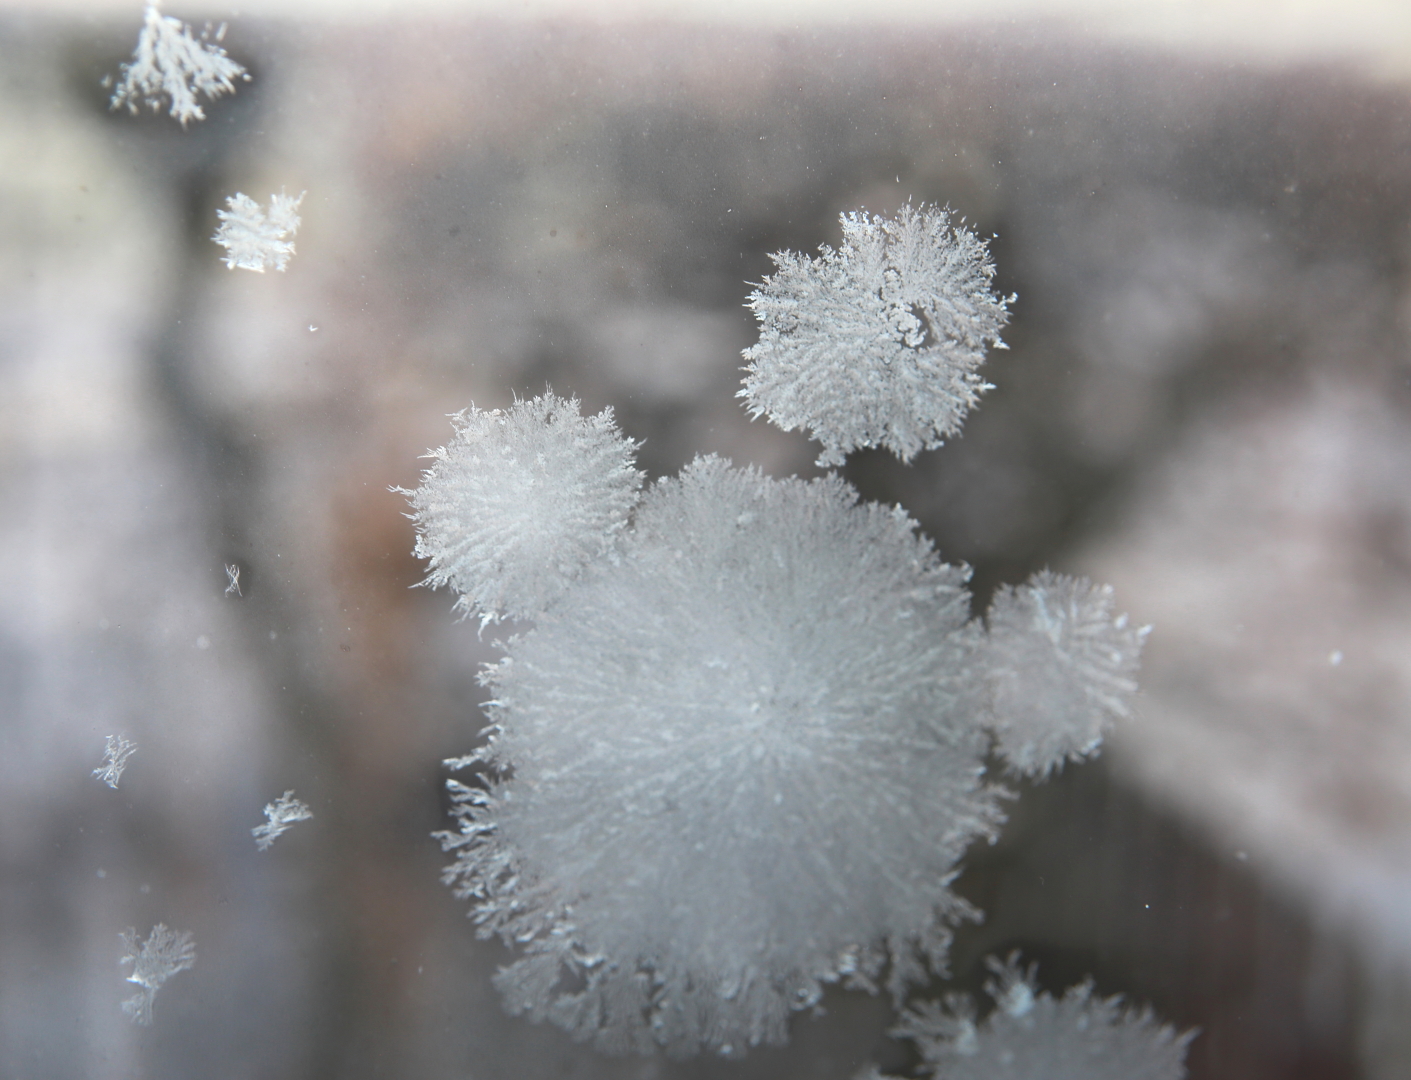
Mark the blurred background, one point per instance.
(1207, 402)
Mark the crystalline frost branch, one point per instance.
(282, 813)
(1031, 1035)
(154, 961)
(255, 238)
(1061, 669)
(115, 755)
(170, 63)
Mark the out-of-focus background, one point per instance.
(1206, 215)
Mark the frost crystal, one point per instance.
(168, 62)
(115, 756)
(521, 501)
(255, 239)
(1033, 1036)
(876, 344)
(282, 813)
(154, 961)
(1061, 670)
(734, 764)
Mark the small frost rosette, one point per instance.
(1031, 1035)
(1061, 670)
(520, 501)
(741, 751)
(876, 343)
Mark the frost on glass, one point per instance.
(741, 751)
(119, 748)
(255, 238)
(154, 961)
(170, 66)
(709, 761)
(1031, 1035)
(281, 815)
(520, 501)
(878, 342)
(1061, 667)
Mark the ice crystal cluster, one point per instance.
(741, 750)
(255, 238)
(876, 343)
(281, 815)
(1030, 1035)
(154, 961)
(170, 63)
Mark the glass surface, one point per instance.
(1206, 402)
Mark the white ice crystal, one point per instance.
(256, 239)
(1031, 1035)
(282, 813)
(170, 63)
(730, 766)
(119, 748)
(876, 343)
(1061, 669)
(154, 961)
(523, 498)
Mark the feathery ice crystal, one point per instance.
(523, 498)
(154, 961)
(1031, 1035)
(119, 748)
(719, 747)
(256, 239)
(741, 751)
(281, 815)
(168, 62)
(1058, 632)
(876, 343)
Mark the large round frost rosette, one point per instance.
(736, 762)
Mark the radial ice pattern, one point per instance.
(512, 510)
(876, 343)
(736, 764)
(1061, 667)
(1031, 1035)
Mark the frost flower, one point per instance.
(1031, 1035)
(733, 765)
(154, 961)
(876, 343)
(282, 813)
(515, 507)
(168, 62)
(256, 239)
(1061, 669)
